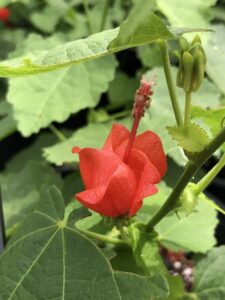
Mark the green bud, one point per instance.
(188, 67)
(196, 40)
(191, 65)
(184, 45)
(199, 70)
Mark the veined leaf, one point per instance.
(39, 100)
(209, 276)
(191, 138)
(21, 189)
(47, 259)
(180, 232)
(150, 29)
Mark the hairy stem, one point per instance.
(190, 170)
(172, 90)
(187, 114)
(103, 238)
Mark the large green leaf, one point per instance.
(39, 100)
(187, 13)
(90, 48)
(209, 276)
(48, 259)
(21, 189)
(180, 232)
(215, 51)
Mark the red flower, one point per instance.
(4, 15)
(122, 173)
(115, 188)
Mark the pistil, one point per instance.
(142, 101)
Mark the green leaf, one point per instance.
(180, 232)
(132, 33)
(209, 276)
(212, 117)
(47, 18)
(215, 52)
(75, 268)
(21, 189)
(62, 152)
(195, 12)
(57, 94)
(191, 138)
(176, 287)
(122, 90)
(189, 233)
(149, 55)
(141, 27)
(134, 287)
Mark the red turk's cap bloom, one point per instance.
(118, 176)
(4, 14)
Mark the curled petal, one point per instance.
(117, 136)
(147, 174)
(150, 143)
(114, 199)
(97, 166)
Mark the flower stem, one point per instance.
(103, 238)
(104, 14)
(57, 133)
(172, 91)
(88, 15)
(208, 178)
(190, 170)
(187, 108)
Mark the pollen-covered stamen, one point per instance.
(142, 102)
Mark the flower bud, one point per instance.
(192, 65)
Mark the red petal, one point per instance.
(115, 199)
(150, 143)
(93, 199)
(121, 191)
(117, 136)
(97, 166)
(147, 174)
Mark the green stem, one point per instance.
(104, 14)
(172, 91)
(208, 178)
(103, 238)
(190, 170)
(187, 114)
(57, 133)
(88, 15)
